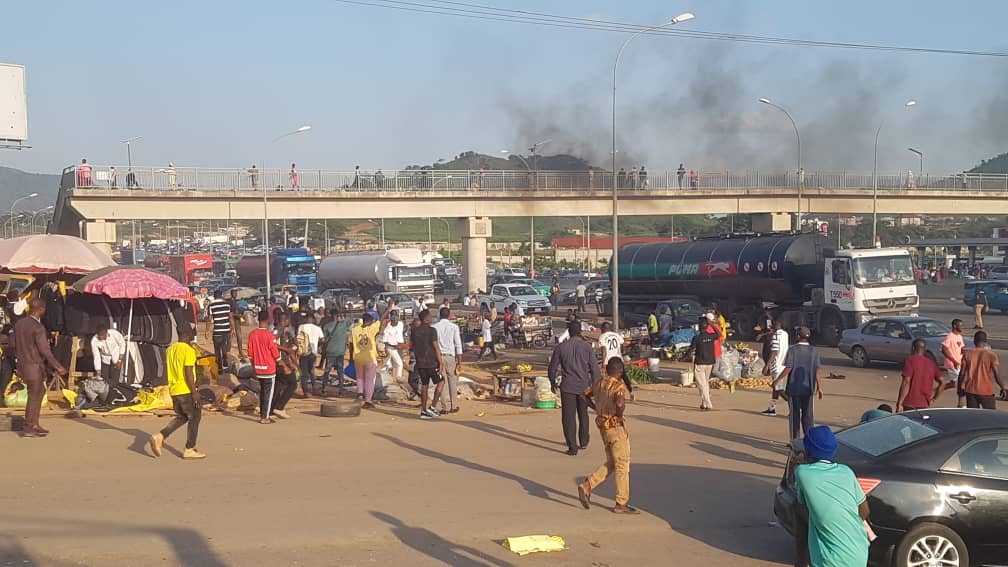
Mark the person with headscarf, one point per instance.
(834, 505)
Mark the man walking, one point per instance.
(450, 345)
(980, 370)
(33, 353)
(581, 294)
(309, 335)
(335, 333)
(265, 355)
(680, 174)
(429, 363)
(834, 505)
(393, 335)
(599, 292)
(702, 356)
(952, 348)
(486, 333)
(181, 362)
(575, 361)
(979, 308)
(779, 341)
(608, 398)
(236, 321)
(218, 326)
(364, 352)
(922, 381)
(803, 377)
(108, 349)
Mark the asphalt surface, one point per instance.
(387, 488)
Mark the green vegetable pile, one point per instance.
(639, 375)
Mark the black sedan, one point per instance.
(937, 486)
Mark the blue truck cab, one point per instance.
(296, 267)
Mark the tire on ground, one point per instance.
(11, 422)
(348, 408)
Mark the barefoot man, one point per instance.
(608, 398)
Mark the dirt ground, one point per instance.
(389, 489)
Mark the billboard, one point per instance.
(13, 104)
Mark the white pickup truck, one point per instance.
(505, 294)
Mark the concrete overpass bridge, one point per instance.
(90, 201)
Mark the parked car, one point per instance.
(888, 339)
(998, 273)
(503, 295)
(997, 293)
(340, 297)
(541, 288)
(406, 303)
(936, 482)
(517, 272)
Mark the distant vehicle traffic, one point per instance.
(888, 339)
(400, 270)
(998, 273)
(541, 288)
(406, 303)
(517, 272)
(936, 482)
(288, 266)
(190, 268)
(503, 296)
(570, 297)
(343, 299)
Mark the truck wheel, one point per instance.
(860, 357)
(830, 329)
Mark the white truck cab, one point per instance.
(870, 282)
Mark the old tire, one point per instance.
(343, 408)
(859, 356)
(11, 422)
(928, 541)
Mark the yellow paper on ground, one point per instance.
(159, 399)
(525, 545)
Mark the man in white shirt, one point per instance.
(309, 334)
(393, 336)
(450, 344)
(611, 342)
(108, 347)
(581, 293)
(775, 366)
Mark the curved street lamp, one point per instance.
(614, 262)
(874, 220)
(798, 219)
(14, 204)
(269, 287)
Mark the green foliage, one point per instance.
(640, 375)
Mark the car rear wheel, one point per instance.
(932, 544)
(859, 356)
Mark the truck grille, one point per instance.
(891, 304)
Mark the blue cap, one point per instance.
(820, 443)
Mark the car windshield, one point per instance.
(926, 328)
(881, 436)
(882, 271)
(522, 290)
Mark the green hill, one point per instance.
(15, 183)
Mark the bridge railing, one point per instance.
(173, 178)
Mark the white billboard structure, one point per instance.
(13, 107)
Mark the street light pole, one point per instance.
(801, 174)
(269, 287)
(14, 204)
(129, 154)
(448, 227)
(614, 262)
(920, 154)
(874, 221)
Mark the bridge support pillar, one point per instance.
(100, 233)
(475, 232)
(771, 222)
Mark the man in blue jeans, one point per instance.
(802, 376)
(335, 336)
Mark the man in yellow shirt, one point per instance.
(185, 397)
(364, 353)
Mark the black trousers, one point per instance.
(985, 402)
(800, 415)
(574, 414)
(187, 412)
(267, 389)
(284, 388)
(222, 346)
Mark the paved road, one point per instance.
(389, 489)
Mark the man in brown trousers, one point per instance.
(608, 397)
(31, 344)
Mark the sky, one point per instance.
(212, 84)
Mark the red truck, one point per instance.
(190, 268)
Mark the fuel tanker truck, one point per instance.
(399, 270)
(798, 278)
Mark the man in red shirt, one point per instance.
(922, 380)
(978, 374)
(265, 355)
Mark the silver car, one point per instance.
(888, 339)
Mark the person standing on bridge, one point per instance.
(694, 179)
(84, 174)
(680, 174)
(621, 178)
(253, 174)
(293, 175)
(642, 178)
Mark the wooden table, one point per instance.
(526, 379)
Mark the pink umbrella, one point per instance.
(50, 254)
(131, 282)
